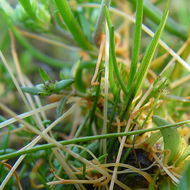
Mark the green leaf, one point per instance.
(4, 5)
(44, 75)
(84, 24)
(60, 85)
(113, 85)
(73, 25)
(31, 90)
(28, 8)
(185, 182)
(94, 106)
(61, 105)
(145, 64)
(136, 48)
(155, 14)
(171, 137)
(185, 154)
(150, 141)
(78, 73)
(33, 14)
(78, 140)
(48, 88)
(92, 147)
(112, 51)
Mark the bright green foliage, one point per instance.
(28, 8)
(144, 66)
(48, 87)
(137, 39)
(45, 77)
(185, 154)
(112, 51)
(91, 138)
(171, 137)
(185, 182)
(61, 105)
(72, 24)
(63, 38)
(155, 15)
(78, 70)
(32, 15)
(152, 140)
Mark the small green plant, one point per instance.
(83, 106)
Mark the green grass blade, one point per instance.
(84, 24)
(155, 14)
(61, 105)
(145, 64)
(94, 106)
(80, 66)
(113, 85)
(112, 51)
(62, 84)
(89, 138)
(138, 26)
(73, 25)
(28, 8)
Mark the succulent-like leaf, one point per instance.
(44, 75)
(172, 139)
(185, 182)
(60, 85)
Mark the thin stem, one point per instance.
(89, 138)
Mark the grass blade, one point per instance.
(94, 106)
(89, 138)
(113, 85)
(138, 26)
(112, 51)
(28, 8)
(155, 15)
(150, 52)
(145, 64)
(79, 67)
(73, 25)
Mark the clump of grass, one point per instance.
(96, 110)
